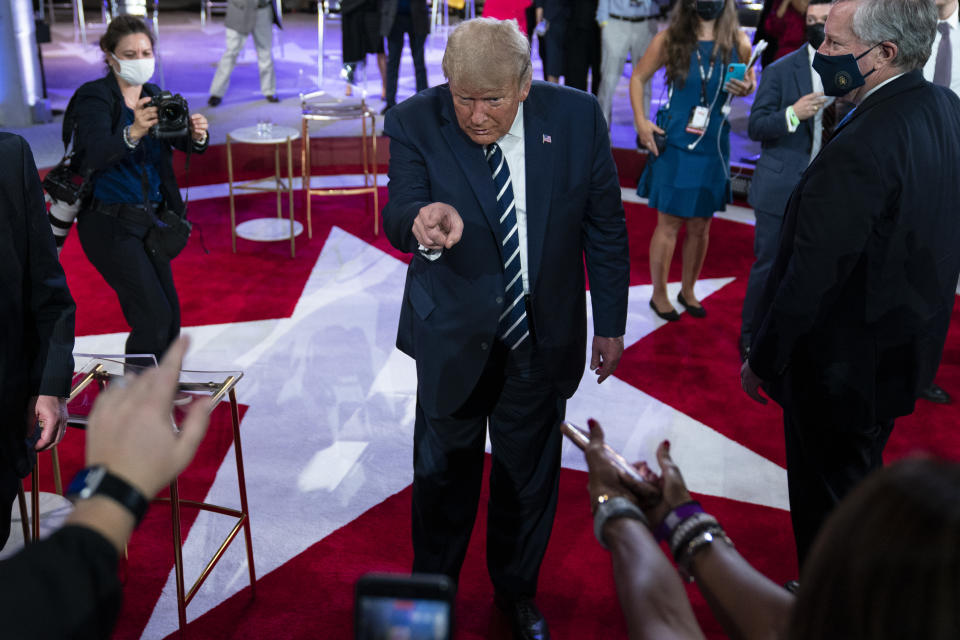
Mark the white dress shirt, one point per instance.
(818, 116)
(513, 152)
(817, 123)
(954, 23)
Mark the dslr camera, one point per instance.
(173, 115)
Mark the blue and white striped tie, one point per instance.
(513, 329)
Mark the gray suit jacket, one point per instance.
(784, 155)
(242, 15)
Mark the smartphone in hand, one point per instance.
(581, 438)
(735, 71)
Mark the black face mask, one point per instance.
(841, 74)
(710, 9)
(816, 34)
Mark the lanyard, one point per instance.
(704, 77)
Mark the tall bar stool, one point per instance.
(219, 386)
(334, 111)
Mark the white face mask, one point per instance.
(135, 72)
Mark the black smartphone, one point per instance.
(417, 607)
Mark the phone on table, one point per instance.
(735, 71)
(417, 607)
(581, 438)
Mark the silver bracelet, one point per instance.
(615, 507)
(686, 527)
(700, 541)
(126, 138)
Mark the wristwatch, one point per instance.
(96, 480)
(614, 507)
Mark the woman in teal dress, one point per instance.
(687, 185)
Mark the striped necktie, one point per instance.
(513, 329)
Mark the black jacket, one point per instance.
(857, 305)
(36, 310)
(97, 108)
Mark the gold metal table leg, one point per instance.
(276, 172)
(178, 555)
(293, 243)
(242, 486)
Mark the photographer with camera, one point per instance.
(132, 221)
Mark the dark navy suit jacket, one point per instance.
(36, 310)
(784, 155)
(857, 305)
(451, 306)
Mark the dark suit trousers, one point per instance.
(825, 461)
(582, 55)
(144, 286)
(9, 481)
(766, 241)
(401, 25)
(448, 452)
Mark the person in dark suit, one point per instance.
(36, 320)
(501, 188)
(398, 17)
(788, 118)
(582, 54)
(943, 68)
(855, 312)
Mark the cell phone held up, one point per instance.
(417, 607)
(735, 71)
(582, 439)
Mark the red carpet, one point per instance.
(691, 365)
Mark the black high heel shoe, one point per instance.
(669, 316)
(696, 312)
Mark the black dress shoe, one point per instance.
(792, 586)
(273, 98)
(214, 100)
(934, 393)
(669, 316)
(696, 312)
(525, 619)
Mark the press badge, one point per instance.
(699, 117)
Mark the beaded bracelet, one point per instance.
(609, 508)
(689, 528)
(701, 540)
(126, 138)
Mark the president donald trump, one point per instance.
(502, 189)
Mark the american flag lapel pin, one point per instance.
(546, 139)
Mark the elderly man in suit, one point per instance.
(788, 118)
(502, 189)
(398, 17)
(243, 18)
(36, 321)
(943, 68)
(855, 312)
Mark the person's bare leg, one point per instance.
(662, 243)
(694, 254)
(382, 66)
